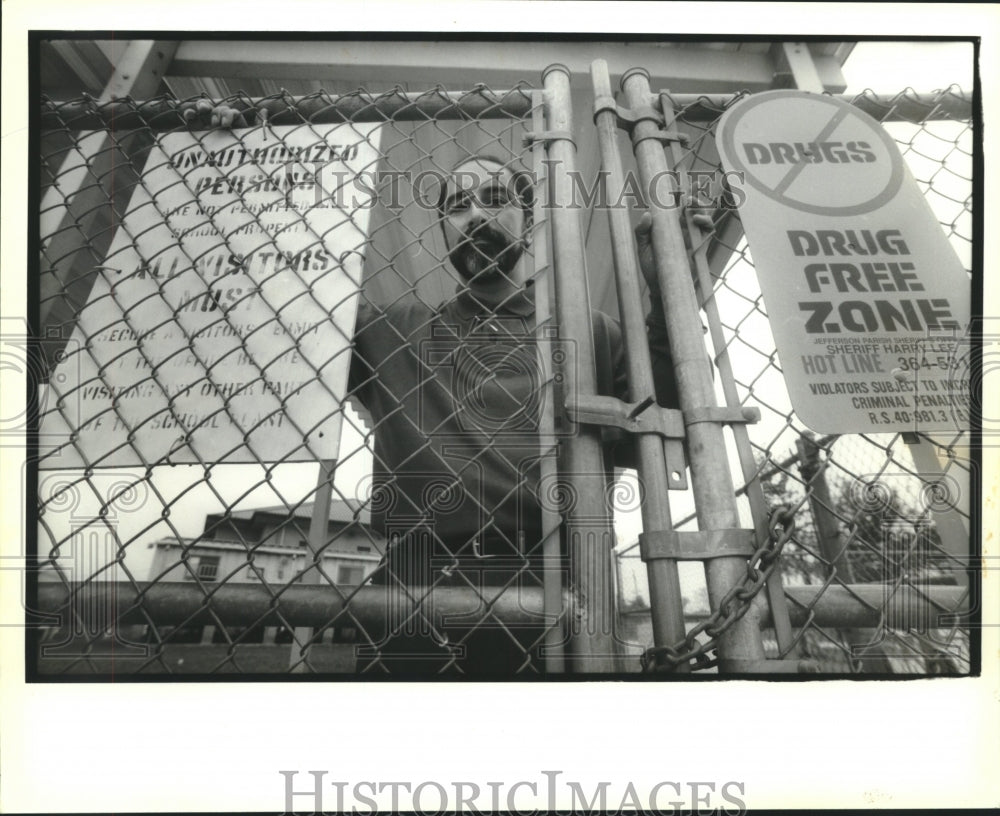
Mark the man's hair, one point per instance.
(524, 187)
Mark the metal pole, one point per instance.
(589, 536)
(664, 581)
(318, 109)
(752, 480)
(552, 574)
(831, 545)
(857, 606)
(400, 106)
(865, 644)
(712, 481)
(319, 530)
(168, 603)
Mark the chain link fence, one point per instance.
(200, 311)
(222, 309)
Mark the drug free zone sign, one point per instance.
(868, 303)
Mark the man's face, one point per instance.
(484, 225)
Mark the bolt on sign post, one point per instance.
(868, 302)
(218, 328)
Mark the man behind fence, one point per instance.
(453, 393)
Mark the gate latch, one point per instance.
(643, 417)
(722, 415)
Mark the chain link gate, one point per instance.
(300, 568)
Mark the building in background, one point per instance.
(268, 545)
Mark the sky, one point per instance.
(889, 67)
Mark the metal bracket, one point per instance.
(723, 415)
(627, 118)
(533, 136)
(637, 418)
(697, 545)
(663, 136)
(634, 417)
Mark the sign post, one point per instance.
(868, 303)
(219, 327)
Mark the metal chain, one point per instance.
(732, 607)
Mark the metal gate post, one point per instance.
(319, 531)
(865, 644)
(831, 545)
(740, 645)
(552, 573)
(664, 582)
(753, 488)
(589, 537)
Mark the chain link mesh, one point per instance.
(111, 267)
(182, 531)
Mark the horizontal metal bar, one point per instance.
(864, 606)
(480, 103)
(722, 414)
(867, 605)
(769, 666)
(499, 62)
(166, 114)
(913, 107)
(172, 603)
(634, 417)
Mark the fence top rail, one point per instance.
(167, 113)
(907, 106)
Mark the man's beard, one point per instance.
(485, 255)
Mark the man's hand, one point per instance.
(215, 115)
(644, 249)
(701, 215)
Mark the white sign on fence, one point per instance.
(219, 326)
(868, 302)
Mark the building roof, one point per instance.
(343, 511)
(333, 550)
(354, 517)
